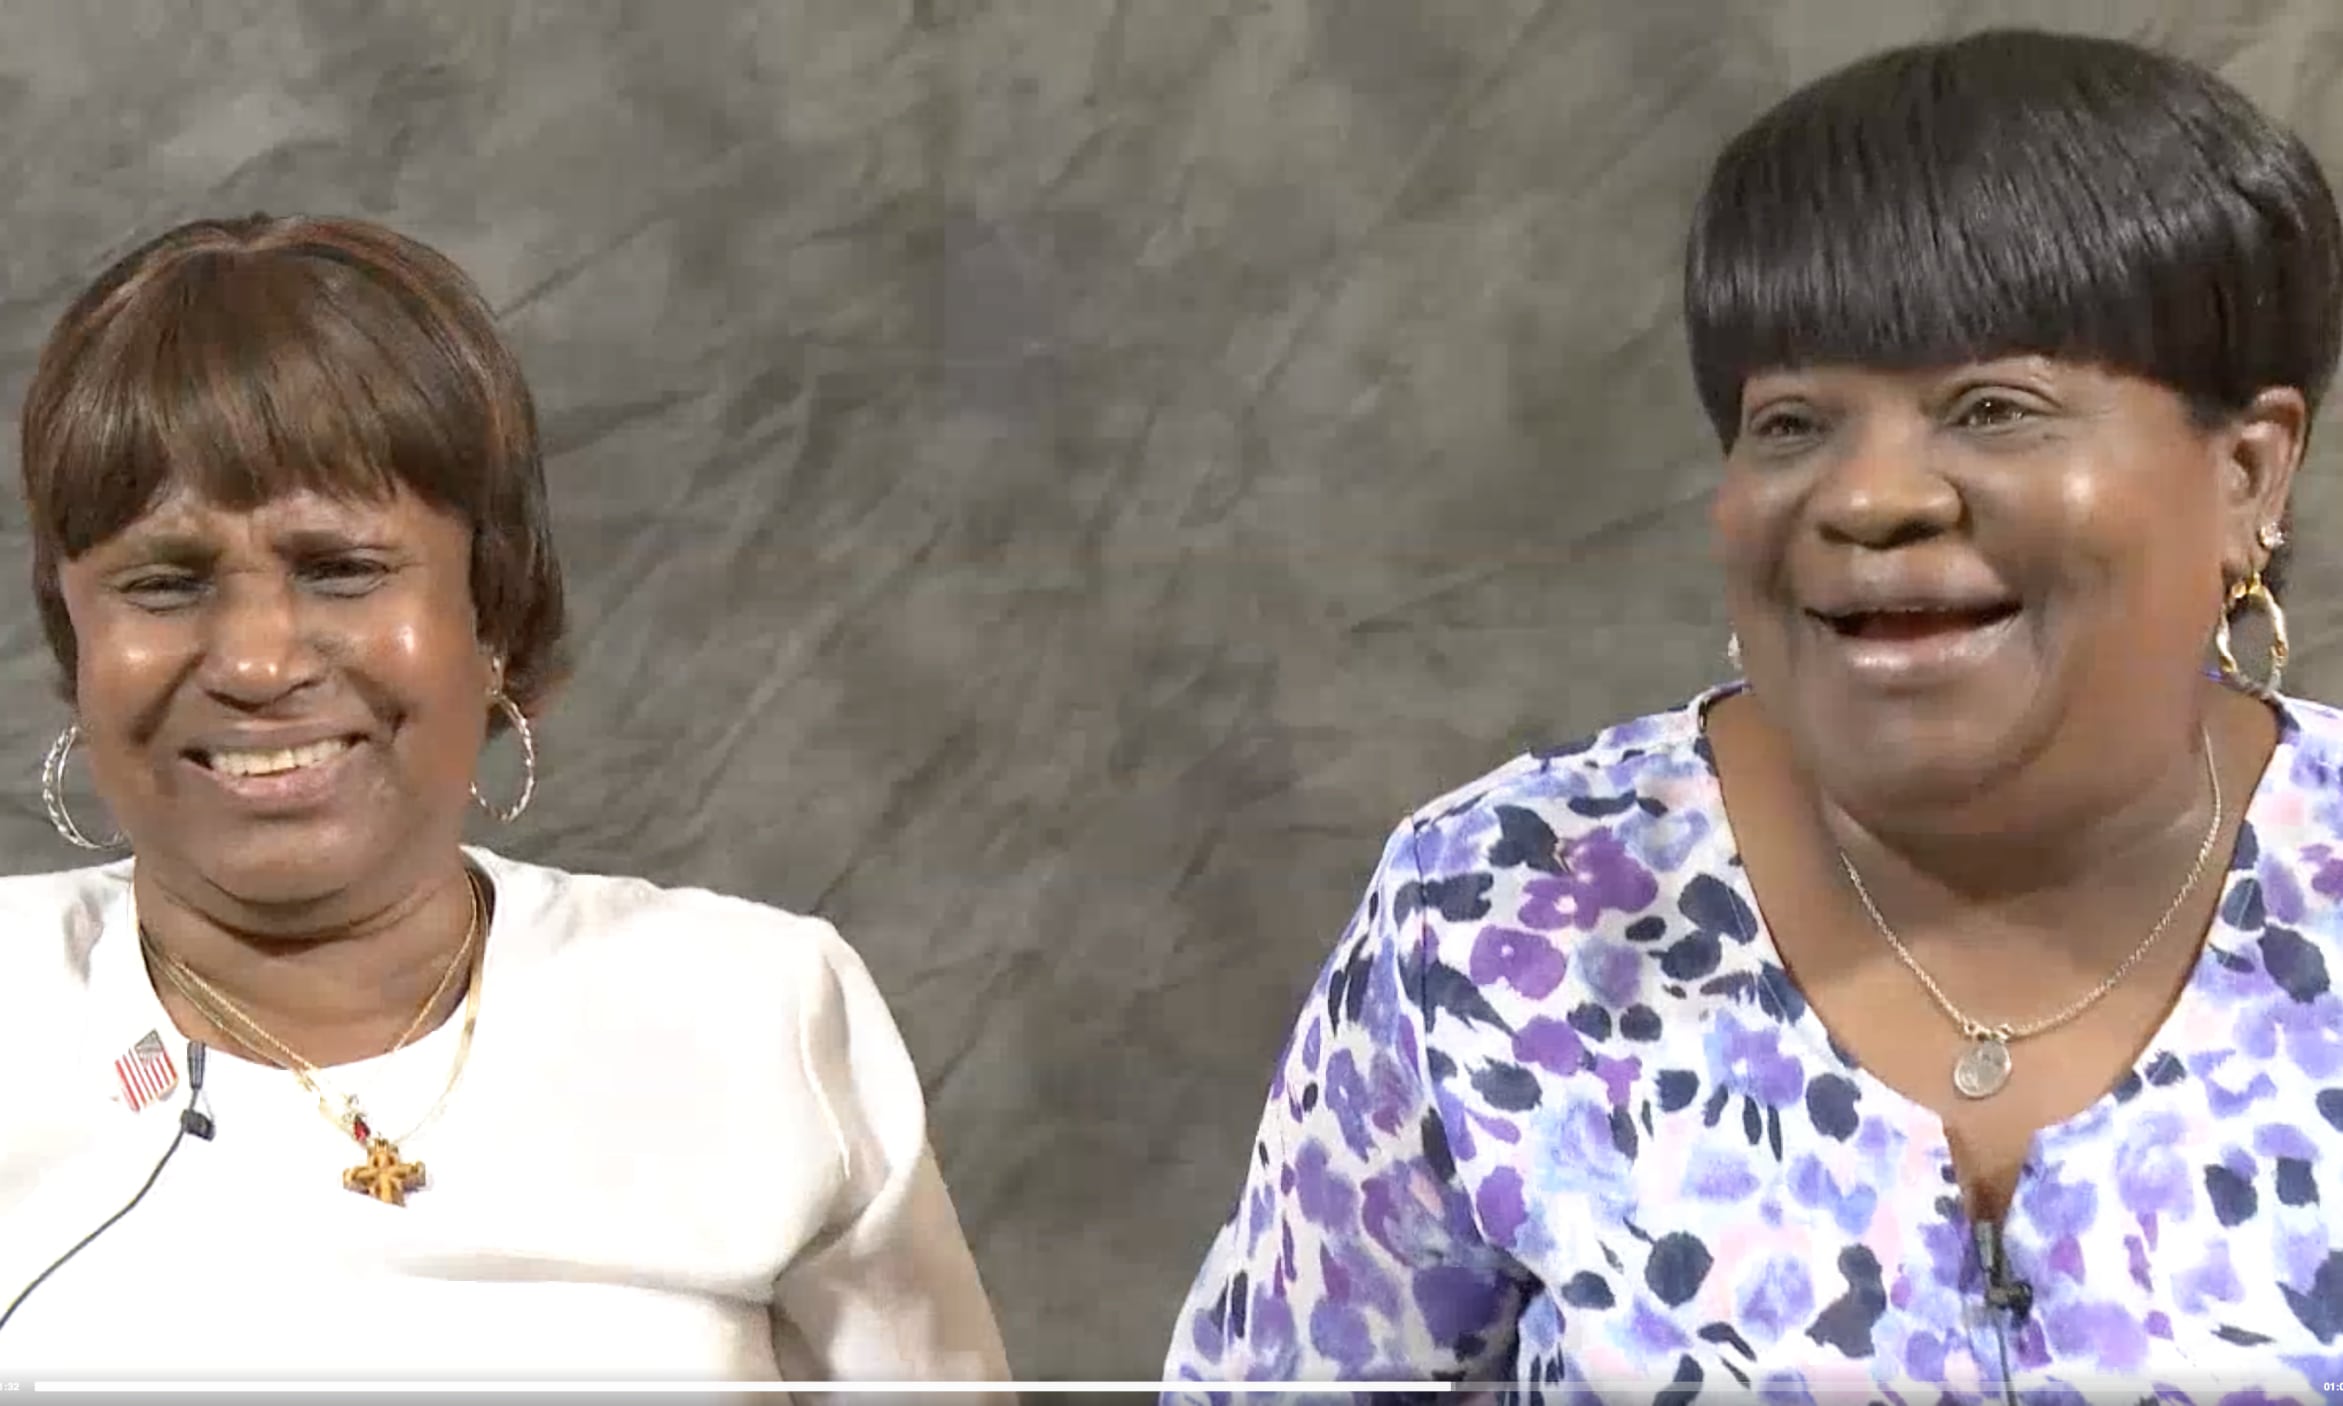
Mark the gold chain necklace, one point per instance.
(1984, 1067)
(386, 1175)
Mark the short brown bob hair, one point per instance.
(248, 358)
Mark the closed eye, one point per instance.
(345, 575)
(161, 590)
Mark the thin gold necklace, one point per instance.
(1984, 1068)
(386, 1175)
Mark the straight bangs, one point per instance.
(2006, 195)
(240, 380)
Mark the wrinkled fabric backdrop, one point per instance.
(1046, 484)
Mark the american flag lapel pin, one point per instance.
(146, 1072)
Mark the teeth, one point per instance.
(241, 763)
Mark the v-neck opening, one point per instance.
(414, 1073)
(1910, 1114)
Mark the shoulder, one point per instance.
(2314, 733)
(712, 949)
(1631, 801)
(52, 920)
(49, 929)
(1596, 879)
(62, 891)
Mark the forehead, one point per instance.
(184, 513)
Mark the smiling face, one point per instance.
(1941, 577)
(282, 706)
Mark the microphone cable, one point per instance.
(193, 1121)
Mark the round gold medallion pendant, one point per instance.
(1982, 1070)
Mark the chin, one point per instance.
(295, 868)
(1917, 769)
(1914, 793)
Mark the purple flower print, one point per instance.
(1719, 1174)
(2108, 1335)
(1500, 1129)
(1945, 1241)
(1749, 1061)
(1618, 1076)
(1205, 1335)
(1412, 1216)
(1633, 733)
(1502, 1210)
(1777, 1298)
(1261, 1213)
(1924, 1355)
(2300, 1254)
(1364, 1107)
(1456, 1127)
(1851, 1208)
(1522, 960)
(2056, 1208)
(2328, 881)
(1262, 1320)
(2227, 976)
(1457, 1301)
(2281, 895)
(1603, 877)
(1612, 971)
(2066, 1258)
(1351, 1275)
(2230, 1088)
(1654, 1333)
(2313, 1034)
(1551, 1045)
(1616, 1072)
(1783, 1389)
(1456, 845)
(1665, 841)
(2275, 1140)
(1573, 1150)
(2151, 1177)
(2214, 1281)
(1325, 1196)
(1338, 1332)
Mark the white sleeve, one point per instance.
(891, 1293)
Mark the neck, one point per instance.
(2082, 871)
(332, 991)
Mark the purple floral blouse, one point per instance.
(1556, 1120)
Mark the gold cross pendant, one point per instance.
(386, 1176)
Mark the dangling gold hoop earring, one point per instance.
(528, 741)
(53, 793)
(2255, 591)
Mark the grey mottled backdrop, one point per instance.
(1047, 483)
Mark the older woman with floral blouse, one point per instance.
(1949, 1006)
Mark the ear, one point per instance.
(2260, 450)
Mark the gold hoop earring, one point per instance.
(2256, 592)
(53, 793)
(528, 741)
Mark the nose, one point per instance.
(257, 649)
(1882, 490)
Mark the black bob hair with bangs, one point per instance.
(2018, 192)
